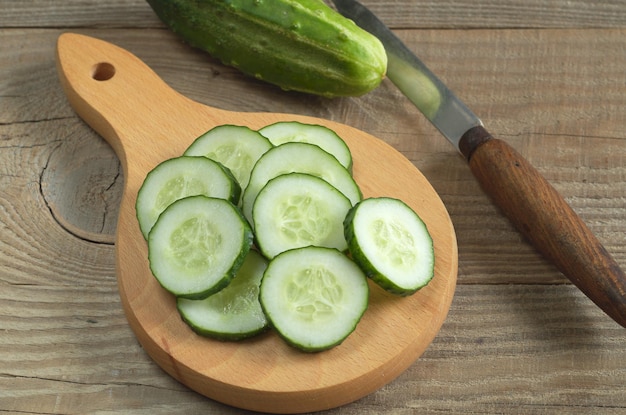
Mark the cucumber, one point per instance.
(293, 131)
(298, 158)
(314, 297)
(296, 210)
(197, 245)
(179, 177)
(300, 45)
(235, 312)
(391, 244)
(234, 146)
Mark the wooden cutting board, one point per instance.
(146, 122)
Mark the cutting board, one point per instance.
(146, 122)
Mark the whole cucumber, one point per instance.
(300, 45)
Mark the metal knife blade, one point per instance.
(536, 209)
(422, 87)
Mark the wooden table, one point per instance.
(548, 77)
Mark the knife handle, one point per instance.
(541, 214)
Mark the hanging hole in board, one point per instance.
(103, 71)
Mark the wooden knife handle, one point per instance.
(542, 215)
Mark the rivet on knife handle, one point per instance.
(537, 210)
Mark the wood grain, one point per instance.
(519, 339)
(457, 14)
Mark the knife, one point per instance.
(530, 202)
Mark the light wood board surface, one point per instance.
(548, 77)
(147, 122)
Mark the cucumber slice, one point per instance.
(314, 297)
(391, 244)
(298, 158)
(235, 312)
(296, 210)
(294, 131)
(236, 147)
(180, 177)
(197, 245)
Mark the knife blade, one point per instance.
(421, 86)
(531, 203)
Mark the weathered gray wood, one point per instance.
(504, 349)
(548, 77)
(456, 14)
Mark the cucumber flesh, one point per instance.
(236, 147)
(197, 245)
(235, 312)
(180, 177)
(391, 244)
(298, 158)
(293, 131)
(309, 214)
(314, 297)
(296, 210)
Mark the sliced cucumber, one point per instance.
(180, 177)
(197, 245)
(314, 297)
(236, 147)
(391, 244)
(308, 214)
(298, 158)
(293, 131)
(296, 210)
(235, 312)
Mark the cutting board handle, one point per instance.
(542, 215)
(108, 87)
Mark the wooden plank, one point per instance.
(445, 14)
(504, 349)
(77, 14)
(496, 14)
